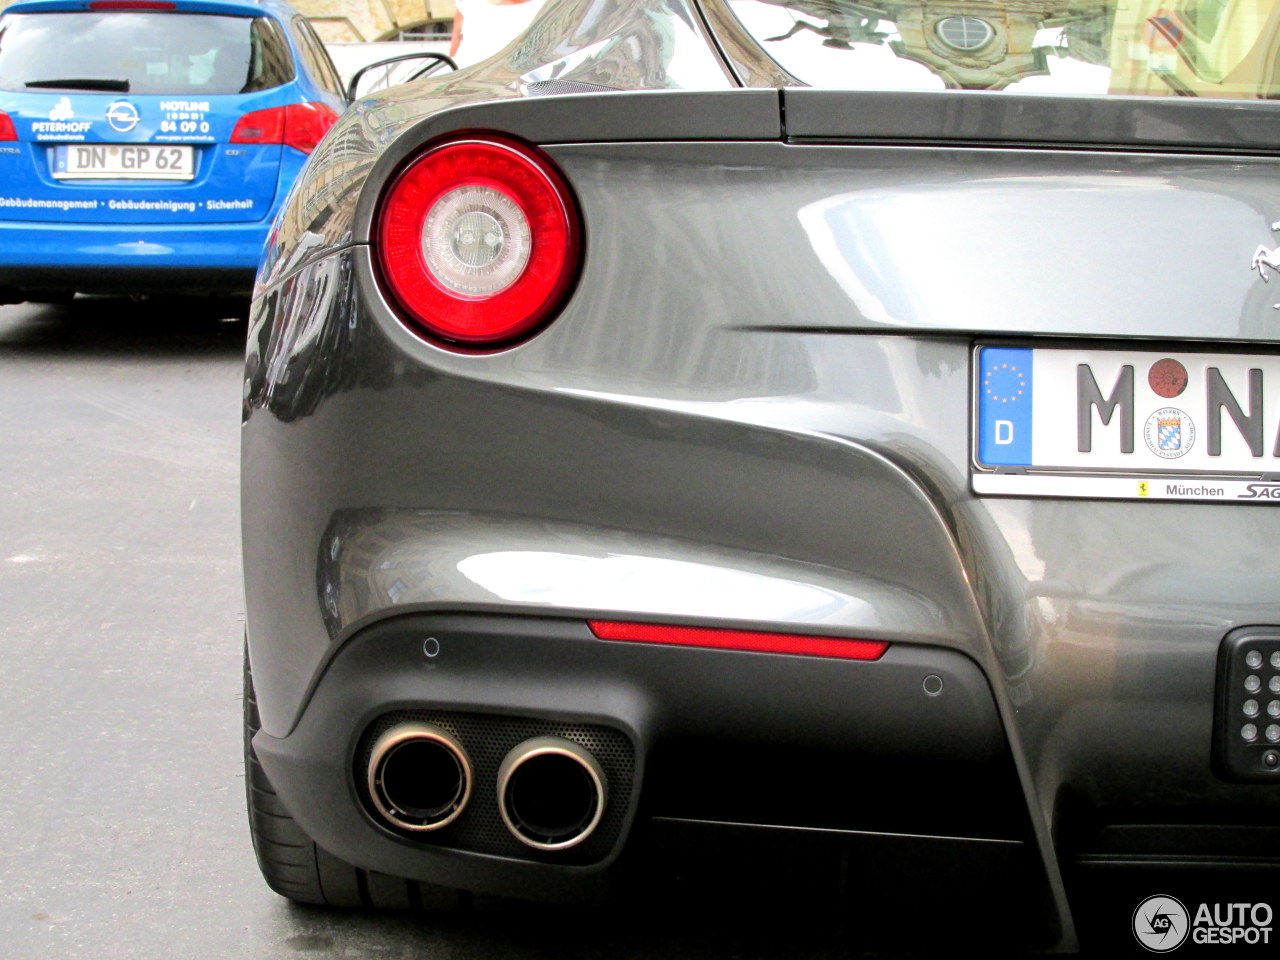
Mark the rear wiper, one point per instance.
(82, 83)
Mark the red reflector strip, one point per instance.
(739, 640)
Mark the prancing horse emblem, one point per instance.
(1266, 256)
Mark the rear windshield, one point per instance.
(1153, 48)
(140, 52)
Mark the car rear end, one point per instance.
(776, 413)
(145, 146)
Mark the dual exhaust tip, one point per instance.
(419, 777)
(551, 792)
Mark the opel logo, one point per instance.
(123, 116)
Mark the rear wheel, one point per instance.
(295, 867)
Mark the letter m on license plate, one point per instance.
(1119, 424)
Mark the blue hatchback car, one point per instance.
(145, 145)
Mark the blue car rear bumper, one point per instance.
(110, 258)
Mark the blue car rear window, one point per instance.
(142, 53)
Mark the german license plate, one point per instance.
(1126, 424)
(123, 161)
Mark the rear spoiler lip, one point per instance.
(807, 114)
(979, 117)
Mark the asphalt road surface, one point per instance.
(122, 826)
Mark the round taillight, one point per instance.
(478, 241)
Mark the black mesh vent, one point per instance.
(487, 740)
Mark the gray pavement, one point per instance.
(122, 828)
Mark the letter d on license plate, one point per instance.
(1119, 424)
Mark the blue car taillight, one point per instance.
(298, 125)
(6, 128)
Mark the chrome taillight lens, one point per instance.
(477, 242)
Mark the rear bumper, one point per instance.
(137, 258)
(855, 756)
(19, 284)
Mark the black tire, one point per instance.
(296, 868)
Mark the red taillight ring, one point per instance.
(478, 241)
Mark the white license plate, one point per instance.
(123, 161)
(1126, 424)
